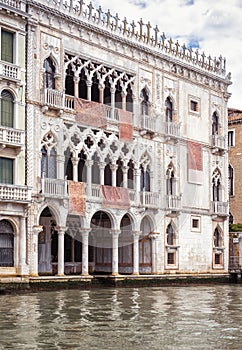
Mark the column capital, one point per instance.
(61, 229)
(114, 167)
(154, 235)
(101, 165)
(75, 160)
(85, 231)
(115, 233)
(37, 229)
(89, 162)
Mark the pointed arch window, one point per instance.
(118, 95)
(83, 85)
(6, 244)
(218, 241)
(82, 168)
(170, 235)
(69, 81)
(231, 180)
(49, 73)
(169, 110)
(144, 102)
(145, 179)
(216, 183)
(95, 88)
(48, 157)
(7, 109)
(68, 165)
(130, 174)
(170, 181)
(95, 169)
(119, 173)
(215, 124)
(129, 99)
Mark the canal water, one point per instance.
(193, 317)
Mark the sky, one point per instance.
(212, 26)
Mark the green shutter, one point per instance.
(6, 46)
(6, 171)
(7, 108)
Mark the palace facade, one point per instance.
(117, 160)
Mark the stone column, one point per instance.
(89, 164)
(34, 246)
(124, 101)
(125, 176)
(115, 234)
(85, 235)
(22, 246)
(112, 101)
(101, 168)
(137, 185)
(60, 167)
(61, 250)
(89, 90)
(114, 170)
(136, 235)
(75, 162)
(101, 90)
(153, 237)
(76, 86)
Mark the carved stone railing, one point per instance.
(9, 70)
(142, 33)
(146, 122)
(13, 137)
(172, 129)
(219, 208)
(112, 113)
(173, 202)
(150, 199)
(17, 4)
(14, 193)
(219, 142)
(96, 191)
(52, 187)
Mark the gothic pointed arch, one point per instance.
(6, 243)
(169, 108)
(48, 156)
(145, 103)
(217, 185)
(49, 73)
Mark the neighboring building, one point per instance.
(235, 185)
(126, 151)
(14, 194)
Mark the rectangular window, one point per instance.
(6, 46)
(218, 259)
(194, 105)
(6, 171)
(231, 142)
(171, 259)
(196, 223)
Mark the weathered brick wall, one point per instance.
(235, 160)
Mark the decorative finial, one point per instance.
(140, 29)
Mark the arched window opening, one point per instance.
(216, 182)
(48, 157)
(95, 88)
(129, 99)
(145, 179)
(231, 180)
(7, 109)
(83, 85)
(49, 73)
(169, 110)
(108, 172)
(119, 173)
(231, 218)
(144, 102)
(130, 174)
(145, 248)
(6, 244)
(218, 241)
(82, 168)
(107, 92)
(170, 235)
(170, 181)
(118, 95)
(95, 169)
(69, 81)
(68, 165)
(215, 124)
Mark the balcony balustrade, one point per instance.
(150, 199)
(53, 187)
(172, 130)
(17, 4)
(219, 142)
(220, 208)
(12, 137)
(14, 193)
(173, 202)
(9, 71)
(146, 122)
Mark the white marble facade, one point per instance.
(109, 104)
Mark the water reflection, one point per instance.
(146, 318)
